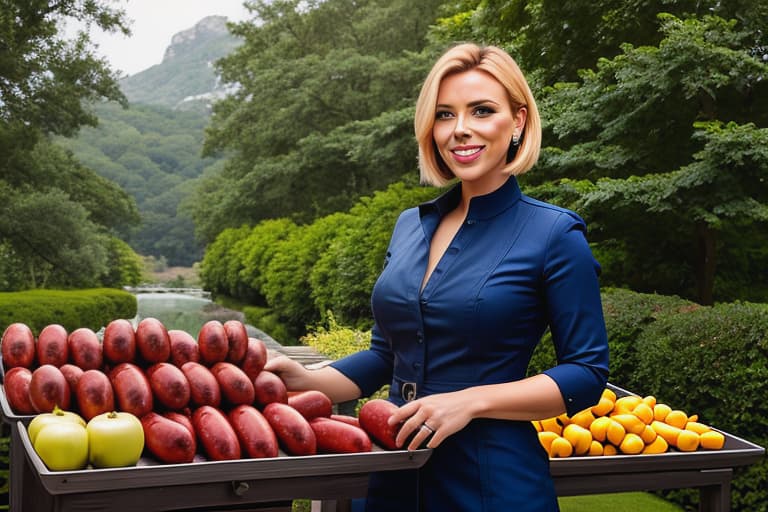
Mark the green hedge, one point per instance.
(92, 308)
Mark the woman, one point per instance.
(471, 281)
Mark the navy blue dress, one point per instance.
(515, 267)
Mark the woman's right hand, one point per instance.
(327, 379)
(295, 376)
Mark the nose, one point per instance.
(461, 129)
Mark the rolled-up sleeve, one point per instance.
(575, 315)
(369, 369)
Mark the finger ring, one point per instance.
(424, 425)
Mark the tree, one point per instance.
(57, 215)
(647, 127)
(316, 80)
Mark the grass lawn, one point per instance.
(618, 502)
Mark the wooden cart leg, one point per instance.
(716, 498)
(16, 471)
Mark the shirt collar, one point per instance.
(480, 207)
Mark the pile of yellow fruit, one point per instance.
(627, 425)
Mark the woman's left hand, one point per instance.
(432, 418)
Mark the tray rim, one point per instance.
(206, 472)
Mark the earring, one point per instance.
(515, 139)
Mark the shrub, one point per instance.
(92, 308)
(285, 279)
(714, 361)
(337, 341)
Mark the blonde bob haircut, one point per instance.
(497, 63)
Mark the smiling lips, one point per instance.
(466, 154)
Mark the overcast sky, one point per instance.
(153, 24)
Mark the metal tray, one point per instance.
(735, 452)
(149, 473)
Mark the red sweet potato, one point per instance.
(152, 341)
(204, 389)
(17, 346)
(255, 358)
(183, 347)
(293, 431)
(212, 342)
(72, 373)
(84, 349)
(373, 418)
(16, 385)
(94, 394)
(339, 437)
(170, 386)
(132, 390)
(48, 388)
(216, 435)
(311, 404)
(52, 347)
(257, 439)
(268, 388)
(352, 420)
(184, 418)
(237, 335)
(167, 440)
(236, 387)
(119, 343)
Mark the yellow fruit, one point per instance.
(579, 437)
(649, 435)
(687, 441)
(599, 428)
(659, 445)
(564, 419)
(660, 411)
(644, 412)
(551, 425)
(676, 418)
(632, 444)
(609, 394)
(625, 404)
(668, 432)
(615, 432)
(537, 425)
(650, 401)
(609, 449)
(595, 448)
(560, 448)
(583, 418)
(697, 427)
(603, 407)
(546, 438)
(693, 417)
(630, 422)
(712, 440)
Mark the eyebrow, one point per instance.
(471, 103)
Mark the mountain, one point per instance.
(186, 78)
(153, 148)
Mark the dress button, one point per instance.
(419, 337)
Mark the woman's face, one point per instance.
(474, 124)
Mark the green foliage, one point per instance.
(712, 360)
(285, 286)
(268, 321)
(92, 308)
(336, 341)
(153, 154)
(323, 112)
(214, 269)
(124, 267)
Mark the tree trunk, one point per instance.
(705, 263)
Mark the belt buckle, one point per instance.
(408, 391)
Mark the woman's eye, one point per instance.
(443, 114)
(483, 111)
